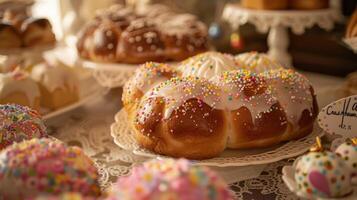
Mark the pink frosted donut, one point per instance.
(18, 123)
(170, 179)
(44, 166)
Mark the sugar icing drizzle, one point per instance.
(207, 65)
(54, 77)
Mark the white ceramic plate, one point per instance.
(289, 180)
(89, 90)
(124, 138)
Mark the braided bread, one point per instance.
(219, 105)
(120, 34)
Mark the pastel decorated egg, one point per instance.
(348, 152)
(44, 166)
(322, 174)
(18, 123)
(170, 179)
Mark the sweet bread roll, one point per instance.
(37, 32)
(146, 77)
(141, 42)
(174, 120)
(58, 85)
(212, 103)
(18, 88)
(308, 4)
(9, 37)
(265, 4)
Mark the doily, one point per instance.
(124, 138)
(269, 185)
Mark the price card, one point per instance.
(340, 118)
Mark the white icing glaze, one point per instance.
(178, 90)
(53, 77)
(256, 62)
(18, 81)
(207, 65)
(292, 90)
(233, 96)
(148, 76)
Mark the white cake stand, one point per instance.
(277, 23)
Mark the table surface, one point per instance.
(89, 127)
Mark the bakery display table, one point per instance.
(276, 24)
(89, 128)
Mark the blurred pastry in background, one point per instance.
(285, 4)
(9, 36)
(37, 31)
(59, 85)
(265, 4)
(308, 4)
(18, 87)
(19, 29)
(122, 34)
(352, 26)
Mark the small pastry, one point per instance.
(18, 123)
(9, 37)
(45, 167)
(170, 179)
(322, 174)
(348, 152)
(37, 32)
(59, 85)
(17, 87)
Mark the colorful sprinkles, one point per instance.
(18, 123)
(45, 166)
(170, 179)
(322, 174)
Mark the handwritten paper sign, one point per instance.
(340, 117)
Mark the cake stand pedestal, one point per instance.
(277, 24)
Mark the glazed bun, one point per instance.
(140, 42)
(211, 103)
(19, 29)
(153, 33)
(37, 32)
(9, 37)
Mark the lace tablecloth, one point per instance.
(89, 128)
